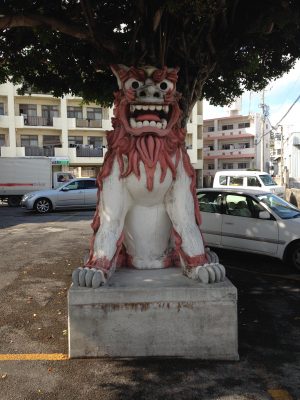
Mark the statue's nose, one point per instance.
(149, 91)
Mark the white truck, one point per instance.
(20, 175)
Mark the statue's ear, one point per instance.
(117, 70)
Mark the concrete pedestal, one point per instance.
(145, 313)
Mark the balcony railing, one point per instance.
(39, 151)
(89, 152)
(88, 123)
(236, 132)
(38, 121)
(245, 152)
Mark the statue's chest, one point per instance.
(137, 187)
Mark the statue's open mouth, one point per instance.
(149, 115)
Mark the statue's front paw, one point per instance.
(88, 277)
(210, 273)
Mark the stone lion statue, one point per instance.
(147, 215)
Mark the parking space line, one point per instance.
(34, 357)
(279, 394)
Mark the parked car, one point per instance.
(240, 179)
(77, 193)
(251, 221)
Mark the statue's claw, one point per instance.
(88, 277)
(208, 273)
(211, 256)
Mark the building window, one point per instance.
(74, 112)
(227, 146)
(95, 141)
(2, 140)
(227, 166)
(51, 141)
(1, 108)
(74, 141)
(29, 141)
(49, 112)
(242, 165)
(211, 129)
(244, 125)
(28, 110)
(226, 127)
(94, 113)
(211, 166)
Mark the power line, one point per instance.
(277, 124)
(288, 111)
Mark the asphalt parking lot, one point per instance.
(37, 256)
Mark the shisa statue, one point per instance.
(147, 214)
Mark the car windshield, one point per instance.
(267, 180)
(281, 207)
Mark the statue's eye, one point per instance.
(165, 85)
(133, 84)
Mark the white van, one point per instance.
(247, 179)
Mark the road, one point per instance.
(38, 255)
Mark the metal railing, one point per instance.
(39, 151)
(38, 121)
(89, 152)
(88, 123)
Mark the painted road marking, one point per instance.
(279, 394)
(34, 357)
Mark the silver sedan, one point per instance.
(77, 193)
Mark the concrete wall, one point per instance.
(293, 196)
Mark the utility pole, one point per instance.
(265, 113)
(281, 156)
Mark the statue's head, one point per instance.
(147, 102)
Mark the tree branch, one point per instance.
(88, 17)
(35, 21)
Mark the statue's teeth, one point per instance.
(152, 108)
(166, 109)
(132, 108)
(158, 125)
(158, 108)
(145, 108)
(152, 123)
(146, 123)
(139, 124)
(138, 107)
(132, 123)
(164, 123)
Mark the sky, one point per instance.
(279, 96)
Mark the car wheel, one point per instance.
(294, 256)
(43, 205)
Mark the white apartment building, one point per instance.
(290, 157)
(70, 132)
(234, 142)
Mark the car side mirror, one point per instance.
(65, 189)
(264, 215)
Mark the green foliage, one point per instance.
(222, 47)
